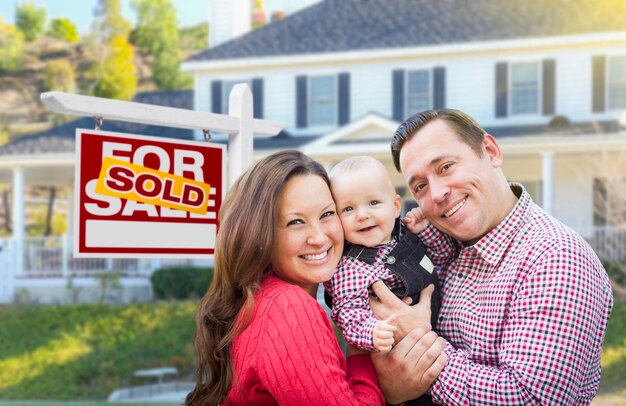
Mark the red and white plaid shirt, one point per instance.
(349, 288)
(524, 312)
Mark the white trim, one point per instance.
(351, 128)
(37, 160)
(421, 52)
(510, 146)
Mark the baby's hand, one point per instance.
(383, 334)
(415, 220)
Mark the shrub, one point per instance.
(11, 47)
(64, 29)
(182, 282)
(60, 76)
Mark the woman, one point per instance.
(261, 336)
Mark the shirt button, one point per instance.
(460, 274)
(391, 260)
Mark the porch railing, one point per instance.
(609, 243)
(52, 256)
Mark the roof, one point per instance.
(351, 25)
(61, 139)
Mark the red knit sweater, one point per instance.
(289, 355)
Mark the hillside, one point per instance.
(21, 111)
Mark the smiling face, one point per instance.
(309, 240)
(367, 204)
(462, 194)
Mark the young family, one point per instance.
(476, 297)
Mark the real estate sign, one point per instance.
(141, 196)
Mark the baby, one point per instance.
(378, 247)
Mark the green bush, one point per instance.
(182, 282)
(64, 29)
(616, 271)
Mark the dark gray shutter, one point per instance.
(301, 101)
(257, 97)
(398, 95)
(343, 107)
(549, 87)
(216, 96)
(439, 82)
(502, 70)
(599, 84)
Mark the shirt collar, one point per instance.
(495, 243)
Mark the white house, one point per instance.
(547, 79)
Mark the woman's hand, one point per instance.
(407, 317)
(410, 368)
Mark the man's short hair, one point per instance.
(465, 126)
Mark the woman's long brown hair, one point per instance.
(242, 257)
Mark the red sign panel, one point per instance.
(140, 196)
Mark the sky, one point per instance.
(188, 12)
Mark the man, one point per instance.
(525, 301)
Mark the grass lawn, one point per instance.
(614, 352)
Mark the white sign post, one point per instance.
(239, 124)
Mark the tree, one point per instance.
(109, 22)
(11, 47)
(30, 20)
(60, 76)
(157, 33)
(194, 38)
(117, 76)
(63, 29)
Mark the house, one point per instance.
(547, 79)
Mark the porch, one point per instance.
(51, 274)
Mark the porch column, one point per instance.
(69, 232)
(547, 190)
(18, 219)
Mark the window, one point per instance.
(419, 91)
(322, 100)
(226, 89)
(525, 88)
(609, 202)
(617, 83)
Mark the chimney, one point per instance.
(228, 19)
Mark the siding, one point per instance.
(469, 86)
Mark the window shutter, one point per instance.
(599, 84)
(216, 96)
(398, 94)
(301, 101)
(257, 97)
(343, 107)
(502, 89)
(439, 81)
(549, 87)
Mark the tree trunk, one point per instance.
(7, 210)
(50, 212)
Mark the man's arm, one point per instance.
(409, 369)
(551, 342)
